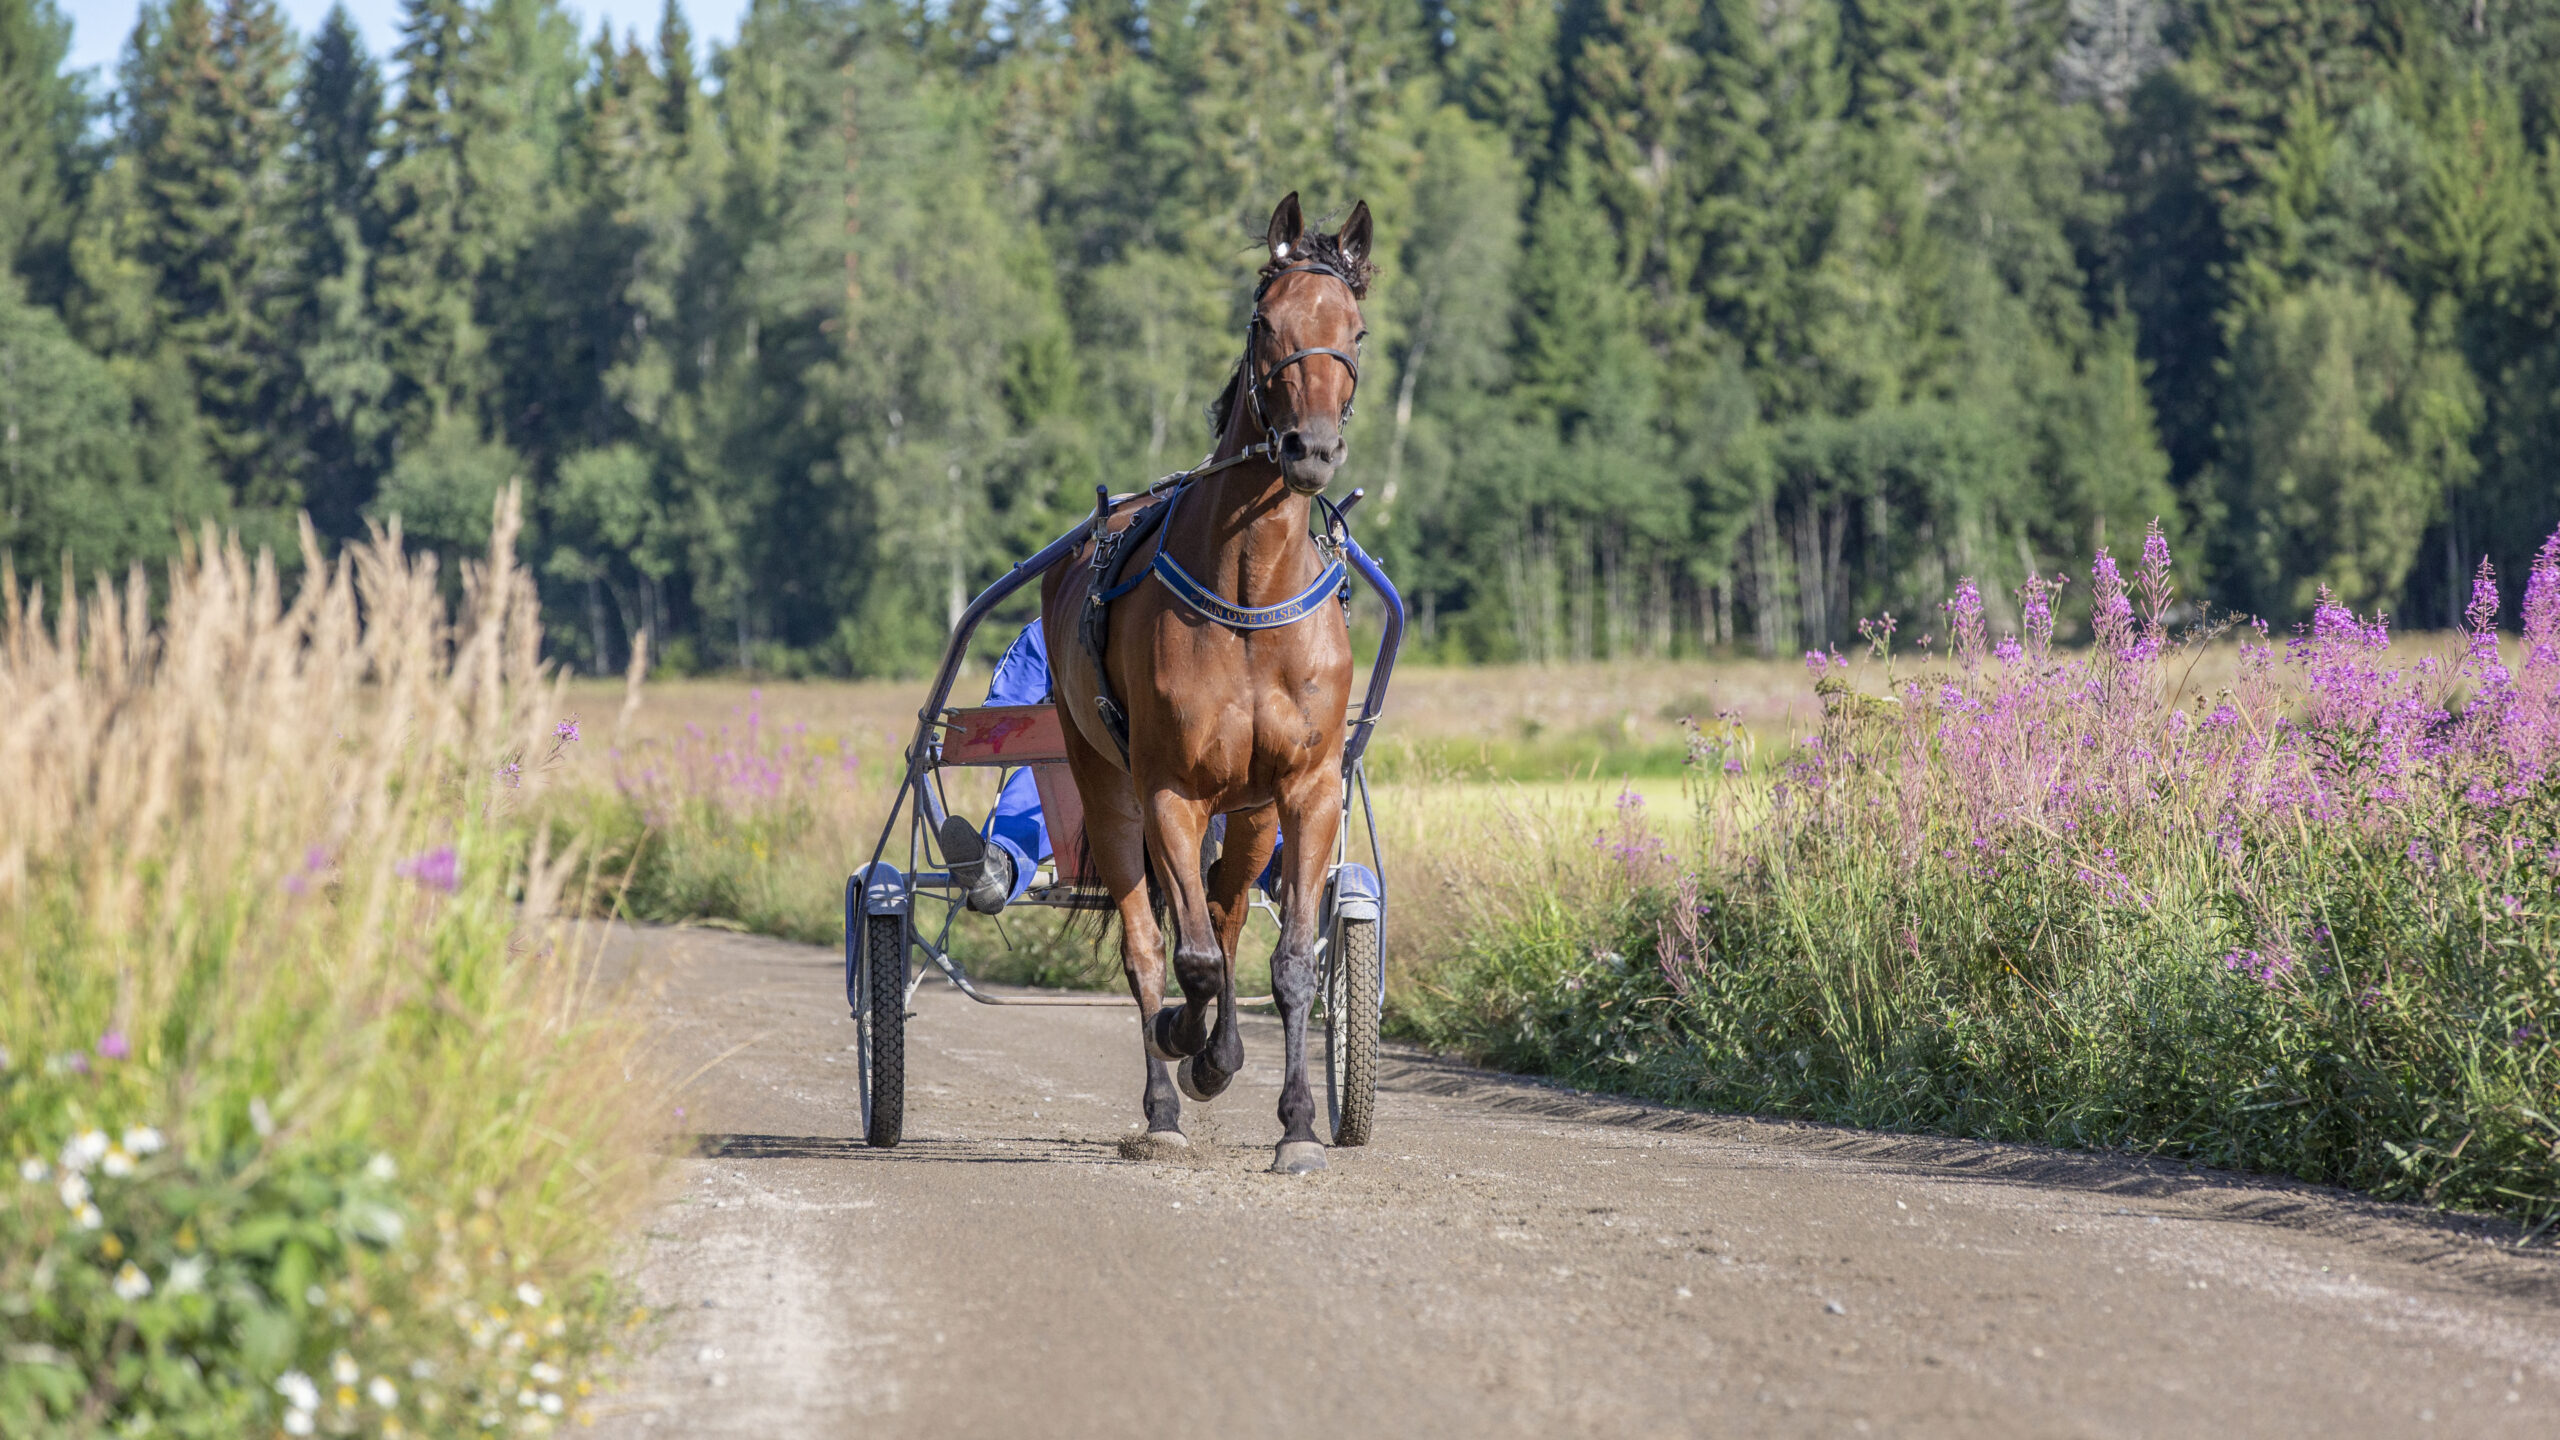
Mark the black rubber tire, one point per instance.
(883, 1032)
(1351, 1031)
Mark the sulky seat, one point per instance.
(1016, 735)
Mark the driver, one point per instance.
(995, 867)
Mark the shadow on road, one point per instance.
(1028, 1150)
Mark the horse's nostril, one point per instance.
(1293, 446)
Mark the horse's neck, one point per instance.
(1243, 531)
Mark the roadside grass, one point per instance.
(2307, 923)
(311, 1118)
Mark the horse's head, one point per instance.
(1302, 353)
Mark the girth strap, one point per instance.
(1110, 547)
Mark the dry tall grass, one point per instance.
(268, 891)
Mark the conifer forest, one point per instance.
(1702, 326)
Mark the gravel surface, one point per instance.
(1508, 1258)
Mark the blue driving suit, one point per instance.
(1022, 678)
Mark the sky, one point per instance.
(99, 28)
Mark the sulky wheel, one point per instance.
(882, 1034)
(1351, 1030)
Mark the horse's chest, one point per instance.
(1254, 729)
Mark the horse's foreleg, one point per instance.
(1250, 834)
(1310, 817)
(1175, 827)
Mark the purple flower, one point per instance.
(567, 730)
(2113, 613)
(2265, 969)
(112, 1046)
(1964, 622)
(437, 869)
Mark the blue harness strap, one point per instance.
(1240, 617)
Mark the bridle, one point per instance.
(1257, 383)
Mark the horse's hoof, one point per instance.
(1199, 1082)
(1159, 1035)
(1155, 1145)
(1297, 1157)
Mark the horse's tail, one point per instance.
(1100, 920)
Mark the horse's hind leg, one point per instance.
(1115, 838)
(1250, 834)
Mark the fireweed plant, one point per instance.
(2308, 923)
(309, 1120)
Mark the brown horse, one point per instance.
(1221, 718)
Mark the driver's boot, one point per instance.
(983, 871)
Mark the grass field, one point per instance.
(765, 796)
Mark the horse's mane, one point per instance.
(1326, 249)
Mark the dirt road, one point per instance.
(1507, 1259)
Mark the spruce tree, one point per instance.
(41, 114)
(1776, 94)
(344, 375)
(187, 258)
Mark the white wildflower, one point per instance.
(298, 1391)
(342, 1368)
(131, 1283)
(550, 1403)
(528, 1294)
(383, 1392)
(117, 1163)
(86, 1149)
(297, 1422)
(75, 1190)
(422, 1369)
(528, 1399)
(186, 1275)
(4, 1057)
(144, 1140)
(33, 1170)
(545, 1372)
(381, 1167)
(260, 1119)
(89, 1217)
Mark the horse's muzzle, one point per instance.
(1310, 454)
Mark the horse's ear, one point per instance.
(1286, 226)
(1355, 235)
